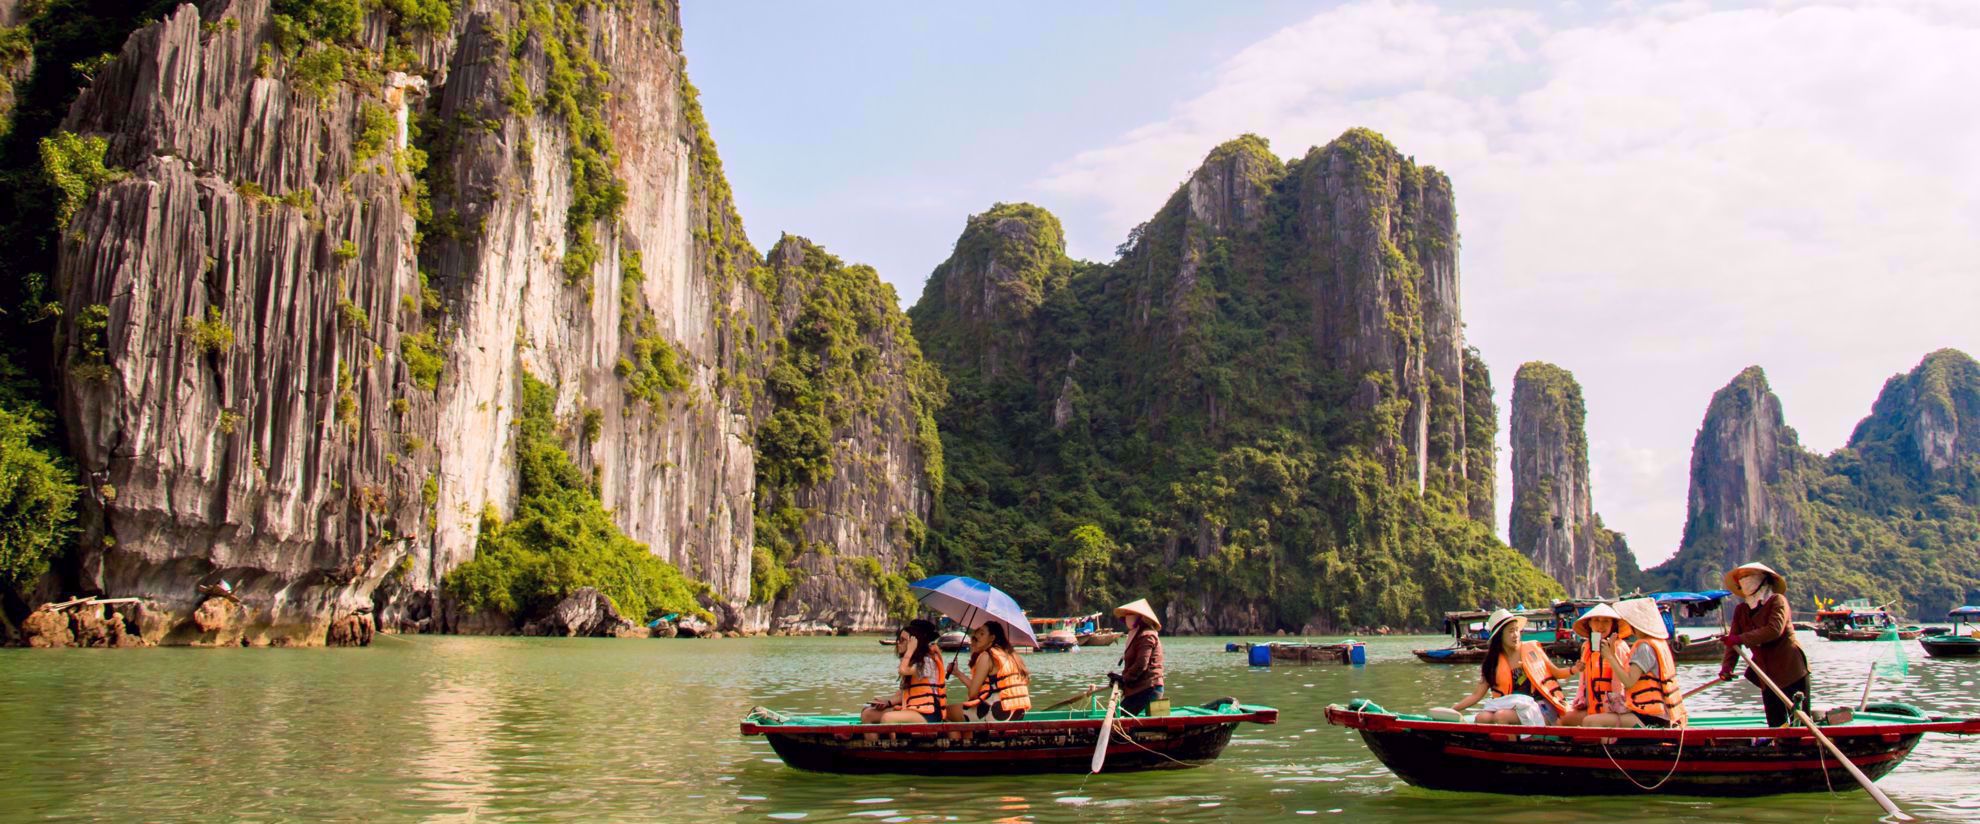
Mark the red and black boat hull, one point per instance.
(1006, 748)
(1574, 761)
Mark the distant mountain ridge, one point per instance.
(1263, 413)
(1892, 515)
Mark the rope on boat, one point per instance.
(1667, 776)
(766, 714)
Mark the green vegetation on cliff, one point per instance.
(1170, 426)
(562, 538)
(846, 356)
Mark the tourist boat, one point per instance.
(1951, 644)
(954, 640)
(1857, 620)
(1714, 756)
(1041, 742)
(1467, 629)
(1057, 634)
(1098, 638)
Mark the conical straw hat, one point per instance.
(1598, 611)
(1141, 608)
(1642, 616)
(1774, 579)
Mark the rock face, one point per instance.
(1249, 415)
(1553, 512)
(291, 353)
(1743, 449)
(1893, 515)
(586, 612)
(1927, 420)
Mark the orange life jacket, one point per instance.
(1597, 678)
(1006, 684)
(925, 696)
(1657, 693)
(1542, 684)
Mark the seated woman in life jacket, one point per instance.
(924, 691)
(999, 683)
(1647, 676)
(1599, 692)
(1524, 685)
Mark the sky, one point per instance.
(1651, 195)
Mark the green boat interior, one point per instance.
(767, 718)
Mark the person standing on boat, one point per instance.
(1763, 623)
(924, 693)
(1140, 678)
(1603, 640)
(1650, 694)
(1524, 683)
(999, 684)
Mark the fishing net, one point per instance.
(1898, 667)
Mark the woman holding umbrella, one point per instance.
(999, 683)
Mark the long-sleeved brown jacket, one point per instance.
(1141, 662)
(1769, 632)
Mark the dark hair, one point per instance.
(1490, 668)
(999, 639)
(923, 630)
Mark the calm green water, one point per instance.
(499, 729)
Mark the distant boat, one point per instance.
(1099, 638)
(954, 640)
(1070, 633)
(1692, 605)
(1857, 620)
(1547, 626)
(1952, 644)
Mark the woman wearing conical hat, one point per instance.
(1764, 624)
(1140, 678)
(1600, 693)
(1645, 679)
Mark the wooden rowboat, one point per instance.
(1715, 756)
(1099, 638)
(1903, 634)
(1564, 653)
(1951, 643)
(1041, 742)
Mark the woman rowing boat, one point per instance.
(1763, 623)
(1140, 678)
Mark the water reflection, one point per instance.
(532, 730)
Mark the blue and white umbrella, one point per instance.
(973, 603)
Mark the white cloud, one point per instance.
(1654, 200)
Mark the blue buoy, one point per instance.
(1357, 654)
(1232, 646)
(1261, 655)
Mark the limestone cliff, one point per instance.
(1743, 448)
(1261, 412)
(1893, 515)
(295, 325)
(1553, 513)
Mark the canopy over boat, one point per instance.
(1964, 614)
(1715, 755)
(1041, 742)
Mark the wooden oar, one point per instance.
(1703, 687)
(1890, 808)
(1106, 730)
(1089, 691)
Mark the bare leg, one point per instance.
(1573, 718)
(902, 717)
